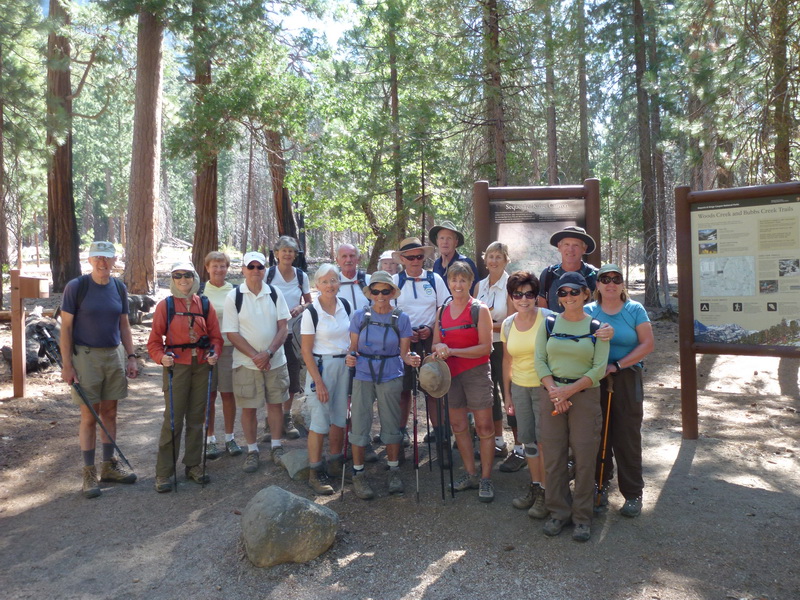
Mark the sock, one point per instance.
(315, 465)
(536, 483)
(252, 447)
(335, 456)
(519, 449)
(499, 441)
(228, 437)
(393, 464)
(108, 452)
(212, 439)
(88, 457)
(275, 444)
(358, 469)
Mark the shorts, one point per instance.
(526, 406)
(222, 380)
(253, 388)
(101, 374)
(422, 348)
(471, 389)
(336, 376)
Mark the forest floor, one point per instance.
(721, 515)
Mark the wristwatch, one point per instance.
(134, 355)
(271, 353)
(616, 364)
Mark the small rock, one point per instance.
(296, 464)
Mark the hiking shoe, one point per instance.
(163, 484)
(290, 432)
(251, 462)
(361, 487)
(501, 451)
(267, 435)
(112, 470)
(467, 482)
(91, 489)
(513, 463)
(233, 448)
(213, 451)
(429, 437)
(406, 438)
(370, 455)
(526, 501)
(319, 481)
(196, 474)
(486, 490)
(395, 483)
(553, 527)
(581, 533)
(600, 499)
(538, 510)
(276, 453)
(632, 508)
(571, 469)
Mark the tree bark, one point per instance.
(495, 108)
(583, 92)
(140, 246)
(782, 117)
(394, 94)
(280, 195)
(248, 197)
(62, 227)
(550, 95)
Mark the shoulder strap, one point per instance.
(475, 311)
(431, 279)
(314, 315)
(299, 273)
(205, 303)
(271, 274)
(593, 327)
(507, 325)
(346, 305)
(365, 321)
(201, 289)
(170, 310)
(549, 322)
(402, 276)
(396, 312)
(239, 298)
(83, 288)
(361, 278)
(273, 294)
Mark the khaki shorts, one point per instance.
(471, 389)
(101, 374)
(222, 380)
(253, 388)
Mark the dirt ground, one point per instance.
(721, 514)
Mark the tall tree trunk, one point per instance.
(3, 221)
(550, 95)
(583, 92)
(394, 95)
(248, 197)
(140, 245)
(494, 92)
(280, 195)
(62, 227)
(782, 116)
(645, 161)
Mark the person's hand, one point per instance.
(424, 332)
(132, 368)
(413, 359)
(415, 336)
(297, 310)
(605, 332)
(322, 392)
(261, 361)
(167, 361)
(561, 406)
(350, 360)
(441, 350)
(510, 410)
(69, 375)
(212, 359)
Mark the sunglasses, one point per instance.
(251, 267)
(384, 291)
(564, 292)
(185, 275)
(413, 256)
(521, 295)
(608, 279)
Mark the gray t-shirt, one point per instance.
(96, 321)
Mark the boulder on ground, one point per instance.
(296, 464)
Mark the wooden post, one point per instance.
(686, 352)
(21, 288)
(480, 207)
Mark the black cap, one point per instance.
(571, 279)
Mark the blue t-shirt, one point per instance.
(442, 272)
(379, 340)
(96, 321)
(624, 323)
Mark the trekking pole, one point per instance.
(172, 425)
(208, 412)
(415, 375)
(440, 444)
(610, 388)
(449, 445)
(347, 425)
(88, 404)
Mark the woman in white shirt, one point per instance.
(324, 345)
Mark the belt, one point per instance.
(563, 380)
(320, 356)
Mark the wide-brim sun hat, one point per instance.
(434, 232)
(101, 248)
(410, 244)
(434, 376)
(609, 268)
(254, 256)
(381, 277)
(571, 279)
(573, 231)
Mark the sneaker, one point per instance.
(538, 510)
(370, 455)
(213, 451)
(319, 481)
(112, 470)
(526, 501)
(513, 463)
(233, 448)
(196, 474)
(632, 508)
(581, 533)
(251, 462)
(290, 432)
(395, 483)
(91, 489)
(376, 439)
(361, 487)
(501, 451)
(553, 527)
(163, 484)
(267, 435)
(571, 469)
(276, 453)
(486, 490)
(467, 482)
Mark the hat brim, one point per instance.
(433, 234)
(428, 250)
(446, 377)
(103, 254)
(585, 238)
(366, 291)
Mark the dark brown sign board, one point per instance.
(738, 278)
(524, 218)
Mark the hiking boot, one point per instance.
(526, 501)
(334, 467)
(361, 487)
(553, 527)
(600, 499)
(319, 481)
(395, 483)
(163, 484)
(467, 482)
(251, 462)
(276, 453)
(632, 508)
(370, 455)
(213, 451)
(233, 448)
(486, 490)
(513, 463)
(581, 533)
(196, 474)
(501, 451)
(91, 489)
(112, 470)
(267, 435)
(538, 510)
(290, 432)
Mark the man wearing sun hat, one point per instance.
(572, 243)
(447, 239)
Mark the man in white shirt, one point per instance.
(255, 321)
(351, 279)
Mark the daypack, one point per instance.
(296, 325)
(507, 322)
(553, 272)
(297, 272)
(550, 321)
(474, 310)
(402, 277)
(366, 322)
(83, 288)
(204, 341)
(240, 297)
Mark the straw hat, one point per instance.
(409, 245)
(381, 277)
(434, 376)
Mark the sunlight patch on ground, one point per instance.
(430, 575)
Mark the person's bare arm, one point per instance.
(68, 373)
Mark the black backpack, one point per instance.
(83, 288)
(402, 277)
(296, 325)
(240, 297)
(204, 341)
(298, 272)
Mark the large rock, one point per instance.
(296, 464)
(279, 527)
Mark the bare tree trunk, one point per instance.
(62, 226)
(397, 168)
(549, 86)
(494, 92)
(583, 93)
(280, 195)
(3, 220)
(782, 116)
(248, 198)
(140, 246)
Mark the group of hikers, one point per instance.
(561, 354)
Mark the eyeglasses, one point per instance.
(521, 295)
(564, 292)
(377, 292)
(184, 275)
(609, 279)
(259, 267)
(413, 256)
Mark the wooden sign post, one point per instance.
(21, 288)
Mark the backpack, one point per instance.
(83, 288)
(240, 297)
(553, 272)
(474, 311)
(204, 341)
(366, 322)
(297, 272)
(550, 321)
(297, 325)
(402, 277)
